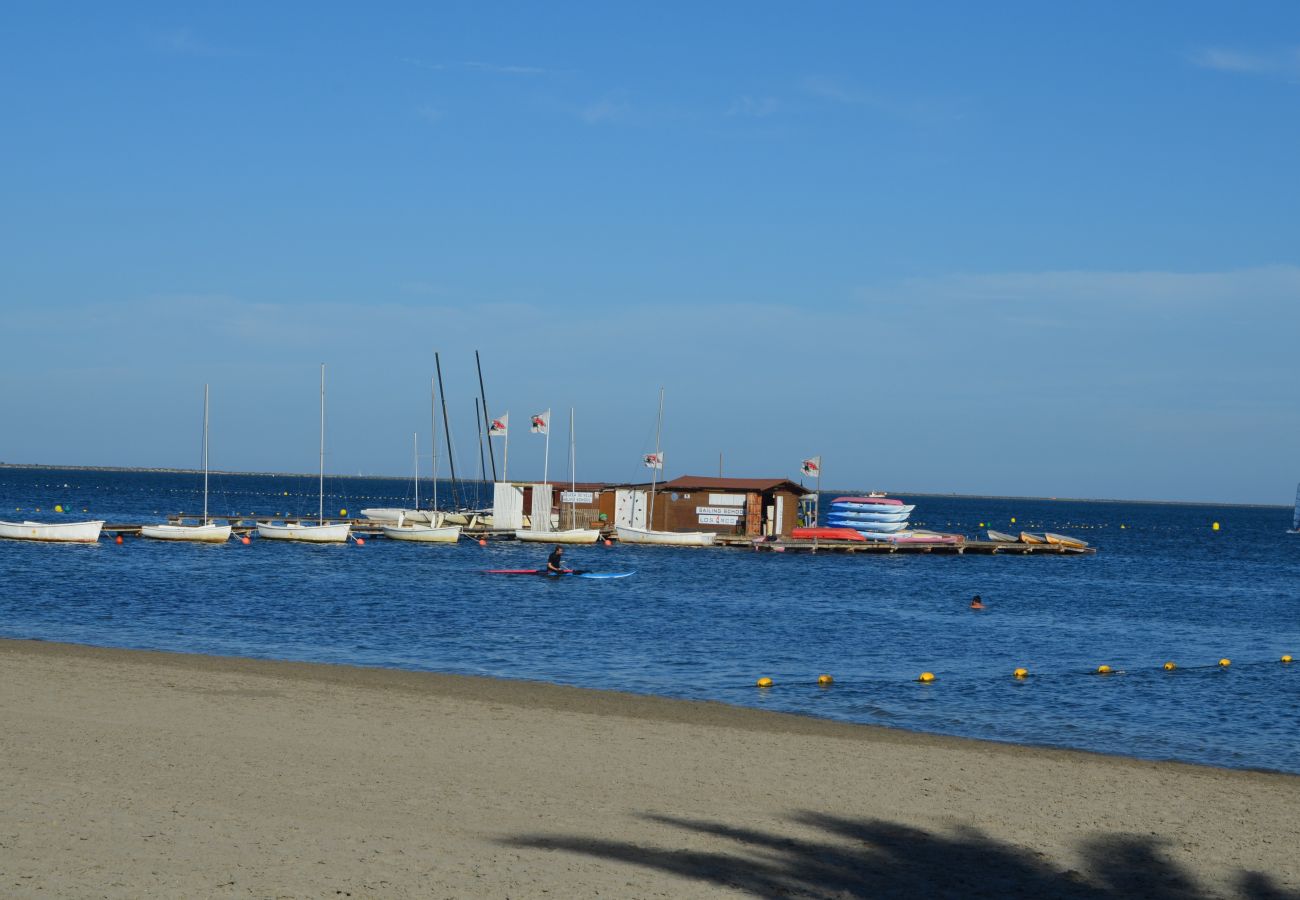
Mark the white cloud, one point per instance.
(1284, 62)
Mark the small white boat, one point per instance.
(62, 532)
(428, 534)
(332, 533)
(1061, 540)
(629, 535)
(385, 514)
(206, 531)
(209, 532)
(325, 532)
(568, 536)
(1002, 538)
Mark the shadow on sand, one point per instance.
(873, 858)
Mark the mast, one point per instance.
(451, 457)
(483, 394)
(573, 475)
(205, 454)
(320, 508)
(654, 470)
(480, 423)
(433, 402)
(415, 458)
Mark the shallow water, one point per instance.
(704, 624)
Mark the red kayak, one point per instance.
(828, 534)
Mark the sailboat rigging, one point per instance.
(569, 535)
(434, 532)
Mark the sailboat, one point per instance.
(568, 535)
(207, 531)
(320, 533)
(628, 534)
(429, 532)
(1295, 519)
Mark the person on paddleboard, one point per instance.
(555, 562)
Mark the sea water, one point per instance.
(705, 624)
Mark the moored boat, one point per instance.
(332, 533)
(1002, 538)
(629, 535)
(1027, 538)
(1061, 540)
(427, 534)
(208, 532)
(825, 533)
(59, 532)
(567, 536)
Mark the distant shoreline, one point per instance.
(903, 493)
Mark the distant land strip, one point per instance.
(844, 491)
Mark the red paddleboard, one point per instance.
(831, 534)
(516, 571)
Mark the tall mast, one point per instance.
(415, 458)
(483, 394)
(446, 426)
(320, 508)
(654, 470)
(573, 475)
(480, 423)
(205, 454)
(433, 401)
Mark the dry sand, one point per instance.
(129, 774)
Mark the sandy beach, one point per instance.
(128, 774)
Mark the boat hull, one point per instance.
(568, 536)
(210, 533)
(900, 516)
(861, 525)
(1001, 538)
(868, 501)
(1027, 538)
(826, 534)
(60, 532)
(629, 535)
(312, 534)
(1061, 540)
(425, 534)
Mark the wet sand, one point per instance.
(125, 774)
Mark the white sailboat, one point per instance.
(429, 532)
(567, 535)
(1295, 519)
(627, 534)
(320, 533)
(208, 531)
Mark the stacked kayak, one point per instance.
(874, 518)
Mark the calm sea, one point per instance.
(704, 624)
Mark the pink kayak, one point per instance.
(827, 534)
(869, 501)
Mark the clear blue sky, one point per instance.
(1025, 248)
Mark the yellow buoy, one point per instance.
(1286, 657)
(1224, 663)
(1103, 670)
(343, 512)
(1170, 666)
(764, 682)
(1013, 520)
(926, 677)
(1021, 672)
(1215, 526)
(58, 507)
(825, 679)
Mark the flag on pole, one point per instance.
(541, 423)
(812, 467)
(497, 427)
(654, 460)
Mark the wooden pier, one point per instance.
(368, 528)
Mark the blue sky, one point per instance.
(1013, 248)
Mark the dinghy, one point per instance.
(1001, 538)
(1061, 540)
(60, 532)
(567, 536)
(207, 531)
(1027, 538)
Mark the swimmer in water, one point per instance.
(976, 602)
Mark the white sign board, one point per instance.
(719, 520)
(576, 496)
(726, 499)
(718, 511)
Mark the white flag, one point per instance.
(497, 427)
(654, 460)
(541, 423)
(812, 467)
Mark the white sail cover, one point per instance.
(541, 512)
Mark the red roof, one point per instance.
(705, 483)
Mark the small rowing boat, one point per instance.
(1027, 538)
(59, 532)
(1001, 538)
(1061, 540)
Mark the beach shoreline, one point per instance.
(142, 772)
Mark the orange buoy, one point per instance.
(482, 542)
(245, 540)
(608, 542)
(361, 542)
(118, 539)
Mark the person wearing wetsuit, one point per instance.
(555, 562)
